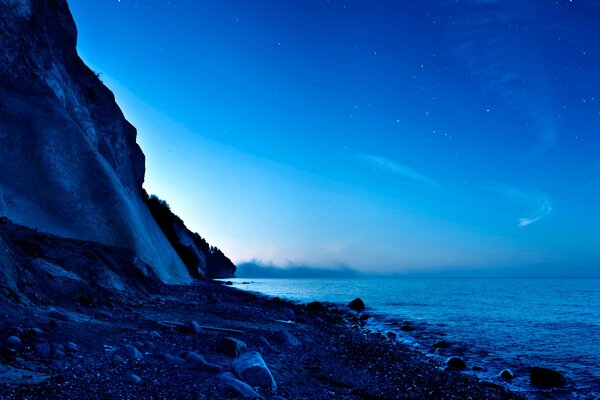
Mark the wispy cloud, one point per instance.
(502, 62)
(392, 167)
(539, 204)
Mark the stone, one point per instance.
(37, 331)
(133, 379)
(477, 368)
(133, 353)
(197, 361)
(173, 360)
(232, 347)
(251, 368)
(242, 389)
(155, 335)
(456, 363)
(315, 306)
(58, 355)
(192, 327)
(356, 304)
(442, 344)
(72, 347)
(13, 342)
(264, 342)
(285, 338)
(42, 350)
(546, 377)
(57, 314)
(407, 328)
(117, 359)
(506, 374)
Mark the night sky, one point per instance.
(380, 135)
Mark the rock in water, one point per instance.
(232, 346)
(442, 344)
(70, 162)
(251, 368)
(456, 363)
(546, 377)
(241, 388)
(357, 304)
(315, 306)
(507, 374)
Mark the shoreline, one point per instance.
(423, 336)
(320, 357)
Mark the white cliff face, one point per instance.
(69, 161)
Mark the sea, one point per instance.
(490, 323)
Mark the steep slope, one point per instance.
(69, 162)
(40, 268)
(201, 259)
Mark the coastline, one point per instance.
(312, 353)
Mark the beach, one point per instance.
(132, 347)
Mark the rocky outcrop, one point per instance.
(200, 258)
(69, 161)
(40, 268)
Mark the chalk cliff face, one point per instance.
(69, 162)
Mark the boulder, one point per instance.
(546, 377)
(251, 368)
(198, 362)
(315, 306)
(284, 338)
(13, 342)
(133, 353)
(173, 360)
(232, 347)
(506, 374)
(407, 328)
(456, 363)
(242, 389)
(192, 327)
(357, 304)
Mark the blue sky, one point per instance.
(379, 135)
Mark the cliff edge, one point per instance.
(69, 161)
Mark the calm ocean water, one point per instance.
(492, 323)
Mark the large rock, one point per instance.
(197, 361)
(456, 363)
(251, 368)
(285, 338)
(242, 389)
(357, 304)
(546, 377)
(70, 162)
(232, 346)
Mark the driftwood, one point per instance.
(203, 327)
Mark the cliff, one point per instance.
(69, 161)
